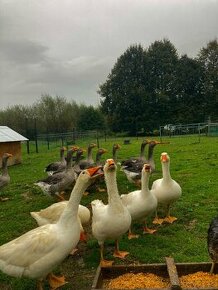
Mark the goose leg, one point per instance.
(4, 198)
(169, 219)
(147, 230)
(131, 235)
(138, 183)
(103, 262)
(55, 281)
(157, 220)
(39, 285)
(118, 253)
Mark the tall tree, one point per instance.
(208, 58)
(188, 100)
(162, 58)
(123, 93)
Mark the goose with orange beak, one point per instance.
(37, 252)
(112, 220)
(166, 190)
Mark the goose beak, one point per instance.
(111, 164)
(74, 148)
(158, 142)
(164, 158)
(95, 171)
(147, 167)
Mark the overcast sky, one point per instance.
(68, 47)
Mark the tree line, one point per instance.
(51, 115)
(146, 88)
(151, 87)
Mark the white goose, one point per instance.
(113, 220)
(37, 252)
(141, 203)
(166, 190)
(52, 213)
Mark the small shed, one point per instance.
(10, 142)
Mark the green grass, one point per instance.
(194, 165)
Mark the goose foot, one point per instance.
(120, 254)
(83, 237)
(56, 281)
(106, 263)
(86, 193)
(101, 189)
(60, 196)
(158, 221)
(4, 199)
(170, 219)
(132, 236)
(73, 251)
(146, 230)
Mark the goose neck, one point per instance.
(71, 210)
(112, 189)
(166, 170)
(145, 183)
(150, 152)
(4, 166)
(142, 150)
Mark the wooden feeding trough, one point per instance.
(168, 271)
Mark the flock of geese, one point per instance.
(60, 226)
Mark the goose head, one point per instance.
(5, 158)
(87, 175)
(110, 165)
(63, 149)
(146, 168)
(74, 148)
(101, 151)
(92, 145)
(79, 152)
(94, 171)
(116, 146)
(7, 155)
(164, 158)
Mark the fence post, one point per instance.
(36, 141)
(160, 133)
(27, 144)
(47, 140)
(62, 140)
(97, 138)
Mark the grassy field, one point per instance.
(194, 165)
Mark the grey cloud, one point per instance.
(68, 48)
(22, 51)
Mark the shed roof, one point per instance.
(9, 135)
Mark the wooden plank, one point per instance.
(172, 271)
